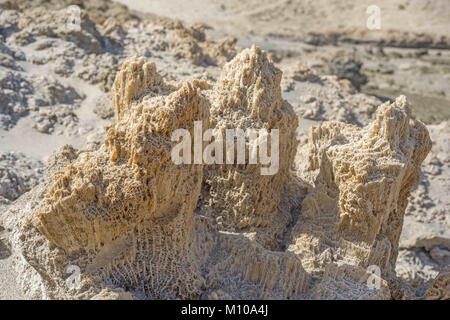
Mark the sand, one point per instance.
(9, 290)
(400, 20)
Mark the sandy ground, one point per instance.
(9, 289)
(400, 20)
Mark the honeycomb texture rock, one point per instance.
(360, 179)
(100, 209)
(133, 225)
(440, 287)
(248, 96)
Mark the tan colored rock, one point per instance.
(191, 43)
(349, 282)
(124, 221)
(248, 96)
(440, 287)
(40, 21)
(360, 180)
(107, 211)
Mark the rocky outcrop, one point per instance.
(125, 221)
(360, 180)
(18, 174)
(440, 287)
(425, 239)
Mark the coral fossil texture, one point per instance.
(440, 287)
(360, 181)
(248, 96)
(138, 226)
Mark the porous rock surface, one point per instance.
(440, 287)
(138, 226)
(18, 174)
(247, 95)
(345, 217)
(326, 96)
(43, 58)
(425, 239)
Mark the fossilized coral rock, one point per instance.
(440, 287)
(347, 281)
(124, 212)
(425, 240)
(360, 181)
(248, 96)
(18, 174)
(136, 225)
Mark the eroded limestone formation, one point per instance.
(359, 184)
(125, 221)
(248, 96)
(440, 287)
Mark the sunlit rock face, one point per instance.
(125, 221)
